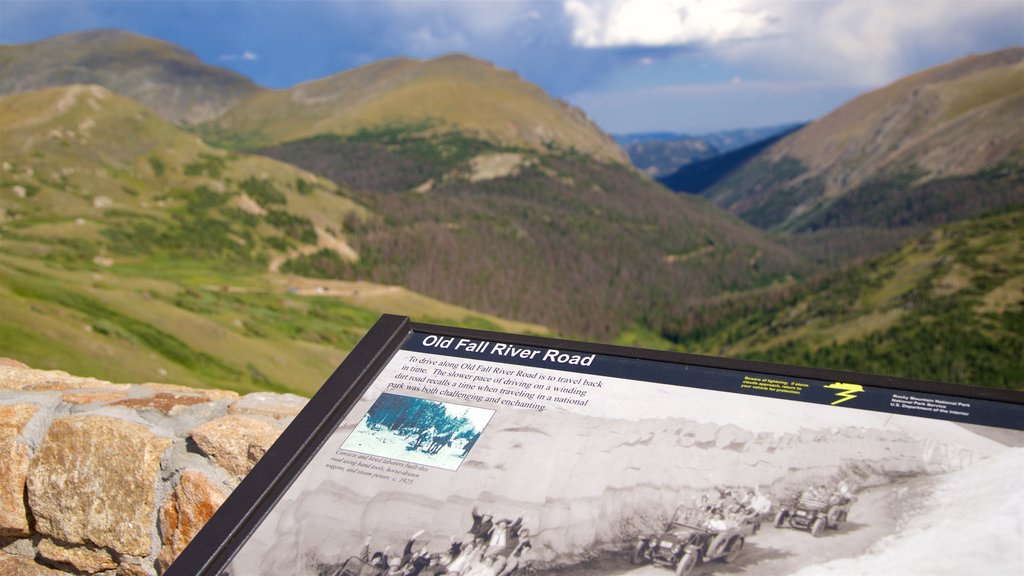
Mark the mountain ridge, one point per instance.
(949, 121)
(454, 92)
(451, 92)
(163, 76)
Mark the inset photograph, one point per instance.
(437, 434)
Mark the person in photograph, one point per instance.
(500, 534)
(423, 437)
(482, 525)
(378, 560)
(487, 566)
(520, 536)
(516, 558)
(454, 548)
(440, 441)
(435, 567)
(469, 557)
(409, 544)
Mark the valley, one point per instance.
(213, 232)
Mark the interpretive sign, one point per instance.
(434, 450)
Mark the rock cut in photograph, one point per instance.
(437, 434)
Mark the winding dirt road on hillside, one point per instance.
(786, 550)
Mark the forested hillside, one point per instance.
(948, 306)
(557, 239)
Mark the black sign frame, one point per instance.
(256, 495)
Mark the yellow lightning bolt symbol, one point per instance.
(847, 391)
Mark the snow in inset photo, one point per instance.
(425, 432)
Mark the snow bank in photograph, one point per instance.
(945, 539)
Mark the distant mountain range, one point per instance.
(167, 218)
(697, 176)
(662, 153)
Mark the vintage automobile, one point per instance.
(814, 512)
(690, 538)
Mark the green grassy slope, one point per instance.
(948, 306)
(133, 251)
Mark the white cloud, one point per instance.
(870, 43)
(617, 23)
(427, 41)
(859, 42)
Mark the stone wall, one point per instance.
(101, 478)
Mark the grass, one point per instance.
(168, 281)
(193, 323)
(948, 306)
(981, 91)
(122, 325)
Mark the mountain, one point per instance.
(450, 93)
(905, 155)
(453, 92)
(559, 239)
(165, 78)
(722, 140)
(947, 306)
(660, 154)
(126, 237)
(729, 140)
(136, 248)
(698, 176)
(131, 250)
(660, 157)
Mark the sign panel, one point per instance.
(443, 451)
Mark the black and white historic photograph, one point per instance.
(656, 480)
(426, 432)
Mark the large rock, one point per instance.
(189, 507)
(82, 558)
(16, 376)
(93, 482)
(17, 566)
(14, 461)
(235, 442)
(277, 406)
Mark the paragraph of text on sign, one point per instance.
(507, 385)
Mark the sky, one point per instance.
(691, 66)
